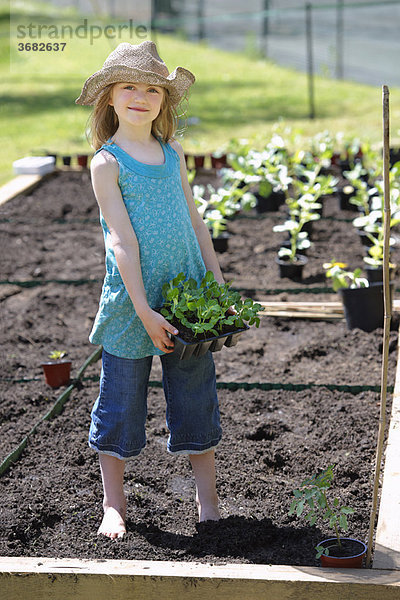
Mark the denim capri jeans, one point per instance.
(119, 413)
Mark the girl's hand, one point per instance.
(157, 328)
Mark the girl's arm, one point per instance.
(104, 172)
(200, 228)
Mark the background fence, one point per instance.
(357, 40)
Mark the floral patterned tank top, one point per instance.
(159, 214)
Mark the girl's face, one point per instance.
(137, 103)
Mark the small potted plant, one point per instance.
(216, 224)
(232, 200)
(213, 218)
(289, 260)
(356, 192)
(219, 159)
(57, 371)
(82, 160)
(374, 262)
(362, 301)
(312, 499)
(207, 316)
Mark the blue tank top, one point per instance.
(160, 217)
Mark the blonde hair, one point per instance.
(103, 121)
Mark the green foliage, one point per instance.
(342, 278)
(359, 188)
(222, 204)
(311, 499)
(301, 170)
(372, 220)
(205, 308)
(57, 354)
(191, 174)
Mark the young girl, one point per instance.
(152, 231)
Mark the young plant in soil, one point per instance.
(311, 498)
(361, 193)
(298, 240)
(342, 278)
(231, 200)
(215, 222)
(201, 311)
(213, 218)
(57, 355)
(56, 370)
(301, 212)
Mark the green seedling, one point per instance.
(342, 278)
(205, 308)
(57, 354)
(311, 499)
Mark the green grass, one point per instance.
(234, 95)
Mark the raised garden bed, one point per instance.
(273, 438)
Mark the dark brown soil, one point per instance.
(273, 438)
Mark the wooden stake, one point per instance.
(386, 328)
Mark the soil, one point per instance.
(274, 436)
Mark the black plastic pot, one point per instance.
(52, 154)
(292, 270)
(308, 227)
(375, 274)
(351, 556)
(364, 239)
(186, 350)
(345, 164)
(220, 243)
(344, 201)
(364, 307)
(394, 156)
(269, 203)
(66, 160)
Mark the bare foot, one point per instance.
(211, 514)
(113, 524)
(208, 512)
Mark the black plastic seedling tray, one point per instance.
(199, 348)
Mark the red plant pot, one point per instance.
(354, 549)
(82, 160)
(219, 162)
(199, 160)
(335, 159)
(57, 373)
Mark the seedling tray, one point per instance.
(186, 350)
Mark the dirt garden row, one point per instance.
(273, 438)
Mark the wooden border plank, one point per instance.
(25, 183)
(63, 579)
(21, 183)
(308, 310)
(387, 543)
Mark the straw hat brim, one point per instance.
(177, 82)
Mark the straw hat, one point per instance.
(139, 63)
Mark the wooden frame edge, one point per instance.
(62, 579)
(387, 543)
